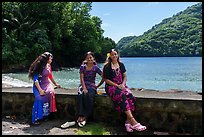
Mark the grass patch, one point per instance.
(93, 129)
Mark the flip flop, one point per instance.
(82, 124)
(68, 124)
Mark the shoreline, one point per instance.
(8, 82)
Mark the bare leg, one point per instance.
(130, 119)
(83, 118)
(79, 119)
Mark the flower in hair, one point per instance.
(108, 55)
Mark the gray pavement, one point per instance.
(52, 127)
(23, 127)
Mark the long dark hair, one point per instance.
(38, 65)
(86, 54)
(108, 59)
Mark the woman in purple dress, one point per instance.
(114, 74)
(88, 71)
(41, 73)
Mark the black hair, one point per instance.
(86, 54)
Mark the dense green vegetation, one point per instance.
(66, 29)
(180, 35)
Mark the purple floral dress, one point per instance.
(123, 100)
(90, 76)
(86, 102)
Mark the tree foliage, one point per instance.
(66, 29)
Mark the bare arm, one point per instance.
(109, 82)
(53, 81)
(83, 83)
(122, 86)
(101, 82)
(124, 80)
(51, 76)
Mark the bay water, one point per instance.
(158, 73)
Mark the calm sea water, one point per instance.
(160, 73)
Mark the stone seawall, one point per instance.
(169, 111)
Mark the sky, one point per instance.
(122, 19)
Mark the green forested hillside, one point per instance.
(179, 35)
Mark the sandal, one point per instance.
(36, 123)
(82, 123)
(128, 127)
(68, 124)
(139, 127)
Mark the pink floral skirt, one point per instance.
(123, 100)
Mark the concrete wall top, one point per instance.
(144, 93)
